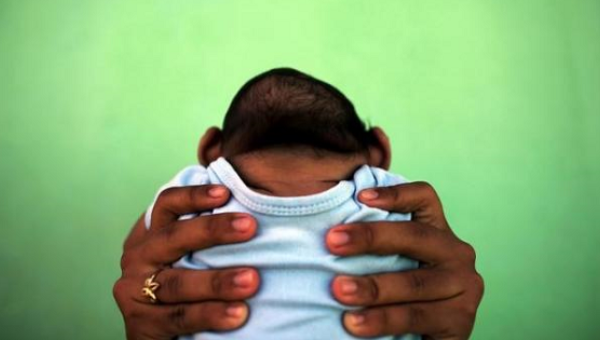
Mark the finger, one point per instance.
(137, 233)
(418, 318)
(171, 243)
(393, 288)
(418, 198)
(175, 202)
(412, 239)
(199, 317)
(184, 285)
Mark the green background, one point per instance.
(496, 103)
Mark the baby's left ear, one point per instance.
(210, 147)
(380, 151)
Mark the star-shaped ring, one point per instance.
(150, 287)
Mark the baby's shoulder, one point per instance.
(190, 175)
(371, 177)
(385, 178)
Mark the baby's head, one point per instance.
(286, 111)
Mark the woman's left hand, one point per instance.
(438, 300)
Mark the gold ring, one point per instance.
(150, 286)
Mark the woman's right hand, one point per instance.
(188, 301)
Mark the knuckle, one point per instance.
(454, 282)
(468, 251)
(196, 193)
(216, 283)
(119, 291)
(478, 287)
(428, 194)
(373, 289)
(415, 317)
(169, 234)
(370, 236)
(392, 192)
(177, 317)
(165, 196)
(418, 232)
(479, 282)
(416, 283)
(425, 187)
(211, 226)
(464, 309)
(172, 284)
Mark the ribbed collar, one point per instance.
(283, 206)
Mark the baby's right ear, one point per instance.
(210, 147)
(380, 150)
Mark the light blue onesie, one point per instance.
(294, 300)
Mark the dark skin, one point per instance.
(439, 300)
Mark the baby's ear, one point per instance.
(209, 149)
(380, 150)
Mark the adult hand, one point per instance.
(439, 300)
(188, 301)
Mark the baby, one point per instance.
(294, 154)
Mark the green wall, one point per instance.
(497, 103)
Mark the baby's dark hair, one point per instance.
(284, 107)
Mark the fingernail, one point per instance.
(236, 310)
(339, 238)
(369, 194)
(241, 224)
(356, 319)
(217, 192)
(348, 285)
(243, 279)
